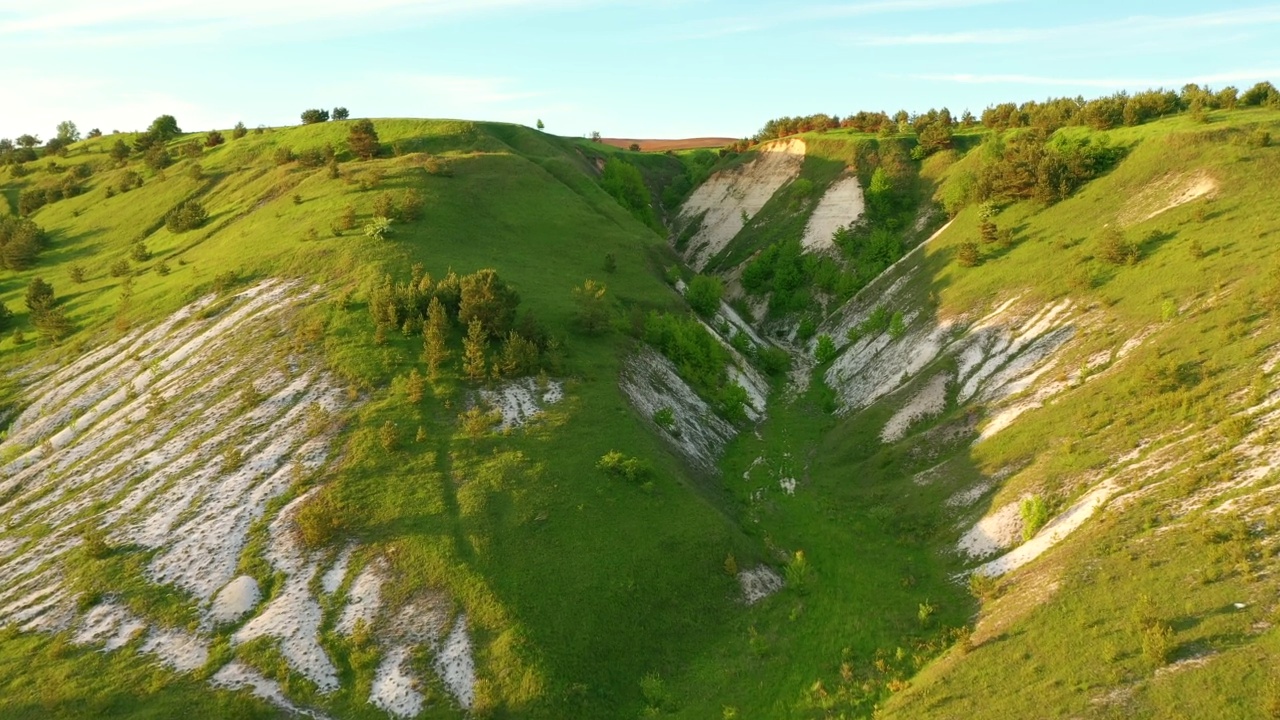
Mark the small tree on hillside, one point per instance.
(239, 131)
(214, 139)
(27, 141)
(1117, 249)
(415, 386)
(363, 139)
(968, 254)
(435, 347)
(595, 136)
(67, 132)
(704, 294)
(540, 125)
(39, 297)
(119, 151)
(593, 307)
(341, 113)
(94, 133)
(473, 351)
(187, 216)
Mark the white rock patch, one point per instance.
(651, 383)
(758, 583)
(726, 196)
(994, 532)
(455, 665)
(929, 401)
(840, 207)
(233, 601)
(521, 400)
(1052, 533)
(364, 598)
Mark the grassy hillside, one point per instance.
(1104, 358)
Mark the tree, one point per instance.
(415, 386)
(634, 147)
(239, 131)
(341, 113)
(56, 146)
(94, 133)
(473, 351)
(595, 136)
(1117, 249)
(519, 356)
(485, 297)
(968, 254)
(435, 348)
(540, 125)
(214, 139)
(363, 139)
(157, 157)
(164, 128)
(39, 297)
(67, 132)
(312, 116)
(593, 308)
(880, 192)
(20, 242)
(119, 151)
(187, 216)
(704, 294)
(6, 318)
(27, 140)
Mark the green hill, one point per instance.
(985, 432)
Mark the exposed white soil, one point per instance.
(109, 623)
(726, 196)
(235, 600)
(176, 438)
(521, 400)
(927, 402)
(839, 207)
(994, 532)
(236, 675)
(364, 598)
(1052, 533)
(651, 383)
(1168, 193)
(333, 577)
(455, 665)
(969, 496)
(759, 583)
(179, 650)
(293, 616)
(395, 689)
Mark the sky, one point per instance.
(625, 68)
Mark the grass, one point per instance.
(589, 595)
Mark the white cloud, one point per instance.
(1093, 33)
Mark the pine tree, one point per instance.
(435, 348)
(415, 387)
(473, 351)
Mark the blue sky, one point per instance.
(630, 68)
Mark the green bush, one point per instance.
(628, 468)
(1034, 515)
(704, 294)
(826, 350)
(187, 216)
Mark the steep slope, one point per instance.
(238, 477)
(1078, 433)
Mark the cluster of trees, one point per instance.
(187, 216)
(313, 115)
(21, 241)
(481, 304)
(1036, 165)
(1100, 113)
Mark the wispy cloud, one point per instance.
(130, 20)
(1092, 32)
(779, 16)
(1112, 83)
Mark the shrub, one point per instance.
(897, 328)
(362, 139)
(284, 155)
(773, 360)
(341, 113)
(798, 572)
(1115, 248)
(76, 273)
(120, 268)
(1157, 643)
(157, 158)
(187, 216)
(826, 350)
(618, 465)
(239, 131)
(1034, 515)
(139, 252)
(665, 418)
(593, 307)
(378, 228)
(389, 437)
(704, 294)
(967, 254)
(21, 241)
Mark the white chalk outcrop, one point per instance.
(728, 196)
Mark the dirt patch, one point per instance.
(1168, 193)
